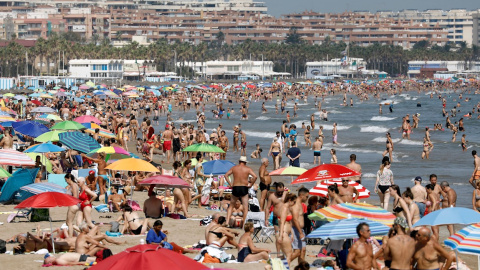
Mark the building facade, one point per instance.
(345, 67)
(234, 69)
(451, 67)
(99, 69)
(476, 29)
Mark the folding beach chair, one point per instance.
(21, 214)
(258, 219)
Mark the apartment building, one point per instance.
(234, 69)
(459, 23)
(96, 68)
(476, 29)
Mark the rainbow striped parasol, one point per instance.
(355, 210)
(467, 240)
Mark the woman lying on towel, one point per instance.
(247, 250)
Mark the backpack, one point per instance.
(3, 246)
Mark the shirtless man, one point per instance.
(243, 143)
(429, 252)
(334, 134)
(85, 243)
(360, 256)
(346, 192)
(167, 142)
(419, 195)
(476, 170)
(401, 247)
(102, 177)
(7, 140)
(265, 181)
(153, 207)
(275, 151)
(275, 199)
(217, 234)
(299, 244)
(317, 154)
(223, 143)
(69, 259)
(356, 167)
(241, 184)
(449, 199)
(437, 190)
(91, 180)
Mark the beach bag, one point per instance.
(167, 245)
(206, 220)
(209, 259)
(3, 246)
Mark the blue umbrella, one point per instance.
(79, 141)
(7, 124)
(347, 229)
(38, 188)
(450, 215)
(74, 87)
(78, 99)
(217, 167)
(118, 92)
(44, 148)
(30, 128)
(34, 95)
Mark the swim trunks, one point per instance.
(240, 191)
(264, 187)
(167, 145)
(275, 153)
(243, 144)
(317, 154)
(383, 189)
(297, 242)
(83, 258)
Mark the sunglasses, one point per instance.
(344, 180)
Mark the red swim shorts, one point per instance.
(167, 145)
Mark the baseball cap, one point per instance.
(401, 221)
(418, 178)
(91, 172)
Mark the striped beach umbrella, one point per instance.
(6, 118)
(12, 157)
(325, 172)
(356, 210)
(467, 240)
(78, 141)
(38, 188)
(347, 229)
(101, 132)
(322, 188)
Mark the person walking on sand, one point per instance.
(265, 181)
(241, 183)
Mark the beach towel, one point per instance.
(278, 264)
(102, 208)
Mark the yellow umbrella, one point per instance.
(45, 96)
(90, 83)
(9, 95)
(132, 164)
(44, 160)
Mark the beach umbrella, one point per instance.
(322, 188)
(36, 102)
(8, 110)
(325, 172)
(30, 128)
(34, 95)
(49, 117)
(6, 118)
(203, 147)
(49, 200)
(91, 125)
(67, 125)
(132, 164)
(217, 167)
(450, 215)
(45, 96)
(356, 210)
(8, 95)
(102, 132)
(347, 229)
(195, 161)
(60, 94)
(43, 110)
(78, 141)
(148, 257)
(165, 181)
(4, 173)
(44, 148)
(467, 241)
(37, 188)
(111, 153)
(87, 119)
(7, 123)
(51, 136)
(20, 97)
(288, 171)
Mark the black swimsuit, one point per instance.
(240, 191)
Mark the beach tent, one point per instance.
(13, 184)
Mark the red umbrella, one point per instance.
(148, 257)
(165, 181)
(325, 172)
(36, 102)
(322, 188)
(48, 200)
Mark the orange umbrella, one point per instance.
(132, 164)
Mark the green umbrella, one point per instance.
(44, 160)
(68, 125)
(9, 95)
(51, 136)
(203, 147)
(4, 173)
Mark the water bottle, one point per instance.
(142, 241)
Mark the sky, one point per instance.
(279, 7)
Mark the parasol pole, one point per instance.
(51, 232)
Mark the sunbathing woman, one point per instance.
(247, 250)
(237, 215)
(132, 221)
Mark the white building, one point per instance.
(96, 69)
(346, 66)
(234, 69)
(453, 67)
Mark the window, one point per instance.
(233, 68)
